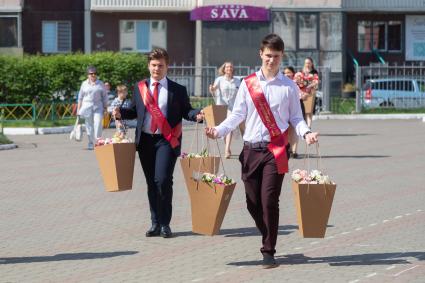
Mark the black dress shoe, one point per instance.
(166, 231)
(153, 231)
(269, 261)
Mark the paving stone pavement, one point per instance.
(59, 225)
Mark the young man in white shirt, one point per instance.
(267, 101)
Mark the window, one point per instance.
(421, 85)
(56, 37)
(330, 31)
(142, 36)
(363, 36)
(307, 35)
(8, 32)
(394, 36)
(379, 35)
(284, 24)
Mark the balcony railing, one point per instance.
(11, 5)
(143, 5)
(383, 5)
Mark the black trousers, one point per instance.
(262, 188)
(158, 161)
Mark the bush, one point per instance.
(54, 77)
(4, 139)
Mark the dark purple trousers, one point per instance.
(262, 187)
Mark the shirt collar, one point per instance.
(95, 83)
(261, 76)
(162, 82)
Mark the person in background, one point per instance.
(268, 101)
(289, 71)
(309, 69)
(92, 103)
(111, 94)
(120, 101)
(224, 90)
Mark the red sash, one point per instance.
(278, 140)
(171, 135)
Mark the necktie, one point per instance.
(154, 127)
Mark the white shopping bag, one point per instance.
(77, 133)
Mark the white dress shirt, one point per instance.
(282, 95)
(162, 103)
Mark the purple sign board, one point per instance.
(220, 13)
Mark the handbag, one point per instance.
(77, 133)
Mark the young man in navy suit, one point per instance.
(159, 104)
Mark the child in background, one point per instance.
(121, 101)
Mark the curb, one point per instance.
(68, 129)
(20, 131)
(8, 146)
(55, 130)
(370, 117)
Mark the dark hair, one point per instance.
(273, 42)
(290, 68)
(157, 54)
(313, 69)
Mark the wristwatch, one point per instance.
(306, 133)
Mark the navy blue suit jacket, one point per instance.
(178, 108)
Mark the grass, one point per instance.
(348, 105)
(4, 139)
(39, 123)
(201, 102)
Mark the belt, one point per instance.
(255, 145)
(155, 136)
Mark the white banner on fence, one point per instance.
(415, 38)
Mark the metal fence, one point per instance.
(198, 79)
(41, 111)
(384, 86)
(323, 94)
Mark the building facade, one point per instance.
(338, 34)
(384, 32)
(50, 27)
(142, 26)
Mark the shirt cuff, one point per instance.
(221, 131)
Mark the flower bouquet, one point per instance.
(307, 83)
(214, 179)
(116, 157)
(314, 193)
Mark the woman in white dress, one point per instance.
(224, 90)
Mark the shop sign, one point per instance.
(415, 38)
(230, 13)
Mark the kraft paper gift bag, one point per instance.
(116, 163)
(209, 203)
(215, 114)
(313, 203)
(309, 103)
